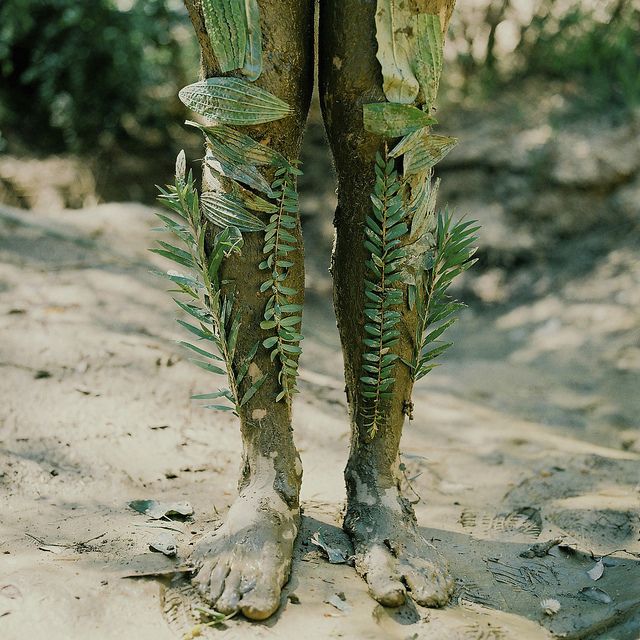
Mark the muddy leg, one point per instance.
(244, 564)
(390, 551)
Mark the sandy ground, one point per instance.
(529, 433)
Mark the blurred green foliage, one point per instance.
(592, 48)
(600, 59)
(80, 75)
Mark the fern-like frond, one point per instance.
(385, 228)
(282, 315)
(452, 255)
(214, 322)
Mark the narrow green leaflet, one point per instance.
(226, 26)
(393, 120)
(385, 228)
(253, 57)
(233, 101)
(225, 210)
(395, 35)
(427, 64)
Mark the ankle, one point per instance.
(281, 474)
(377, 481)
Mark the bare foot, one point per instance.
(243, 565)
(390, 552)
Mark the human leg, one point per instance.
(391, 553)
(244, 564)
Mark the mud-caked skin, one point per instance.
(243, 565)
(390, 552)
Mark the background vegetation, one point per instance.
(77, 76)
(97, 80)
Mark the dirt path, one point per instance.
(95, 412)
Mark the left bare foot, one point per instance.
(391, 554)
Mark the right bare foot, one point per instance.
(243, 565)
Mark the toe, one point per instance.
(228, 602)
(263, 598)
(430, 586)
(262, 601)
(202, 579)
(382, 577)
(217, 582)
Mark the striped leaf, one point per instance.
(237, 146)
(425, 151)
(226, 26)
(233, 101)
(253, 57)
(394, 33)
(246, 173)
(393, 120)
(427, 62)
(226, 211)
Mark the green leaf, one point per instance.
(185, 262)
(436, 333)
(253, 389)
(236, 145)
(397, 231)
(225, 210)
(227, 30)
(197, 312)
(236, 170)
(270, 342)
(202, 352)
(290, 321)
(246, 363)
(232, 338)
(208, 366)
(395, 32)
(205, 334)
(221, 393)
(427, 63)
(252, 201)
(219, 407)
(427, 150)
(434, 353)
(392, 120)
(233, 101)
(253, 56)
(291, 308)
(287, 291)
(176, 228)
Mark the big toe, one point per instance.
(382, 577)
(430, 585)
(261, 602)
(263, 598)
